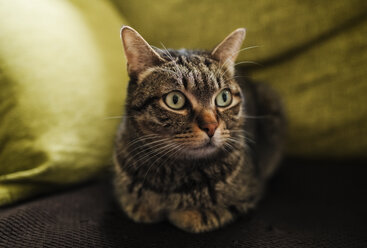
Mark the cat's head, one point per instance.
(184, 103)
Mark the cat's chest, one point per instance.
(181, 176)
(199, 191)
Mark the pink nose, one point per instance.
(209, 128)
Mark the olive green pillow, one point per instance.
(62, 76)
(313, 52)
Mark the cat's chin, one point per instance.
(204, 151)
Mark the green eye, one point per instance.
(175, 100)
(224, 98)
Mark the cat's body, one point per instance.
(202, 164)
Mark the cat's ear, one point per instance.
(227, 51)
(139, 54)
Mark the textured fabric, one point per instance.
(61, 76)
(313, 52)
(308, 204)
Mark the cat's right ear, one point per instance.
(139, 54)
(226, 52)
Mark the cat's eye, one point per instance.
(224, 98)
(175, 100)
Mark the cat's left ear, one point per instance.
(227, 51)
(139, 54)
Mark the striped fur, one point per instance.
(163, 170)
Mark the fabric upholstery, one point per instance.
(308, 204)
(62, 75)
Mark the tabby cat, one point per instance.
(195, 146)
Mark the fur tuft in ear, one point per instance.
(139, 54)
(227, 51)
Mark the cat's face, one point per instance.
(186, 102)
(189, 103)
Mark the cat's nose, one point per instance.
(208, 122)
(209, 128)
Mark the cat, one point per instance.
(195, 146)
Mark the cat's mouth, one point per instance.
(208, 148)
(209, 144)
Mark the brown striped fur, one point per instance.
(164, 166)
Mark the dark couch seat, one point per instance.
(308, 204)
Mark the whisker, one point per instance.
(234, 77)
(229, 146)
(160, 143)
(247, 136)
(170, 156)
(172, 59)
(166, 153)
(236, 141)
(242, 62)
(177, 147)
(144, 145)
(248, 62)
(154, 150)
(140, 139)
(230, 57)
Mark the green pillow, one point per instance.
(62, 77)
(313, 52)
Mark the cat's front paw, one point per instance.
(142, 214)
(200, 220)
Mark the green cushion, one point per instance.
(62, 76)
(313, 52)
(325, 89)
